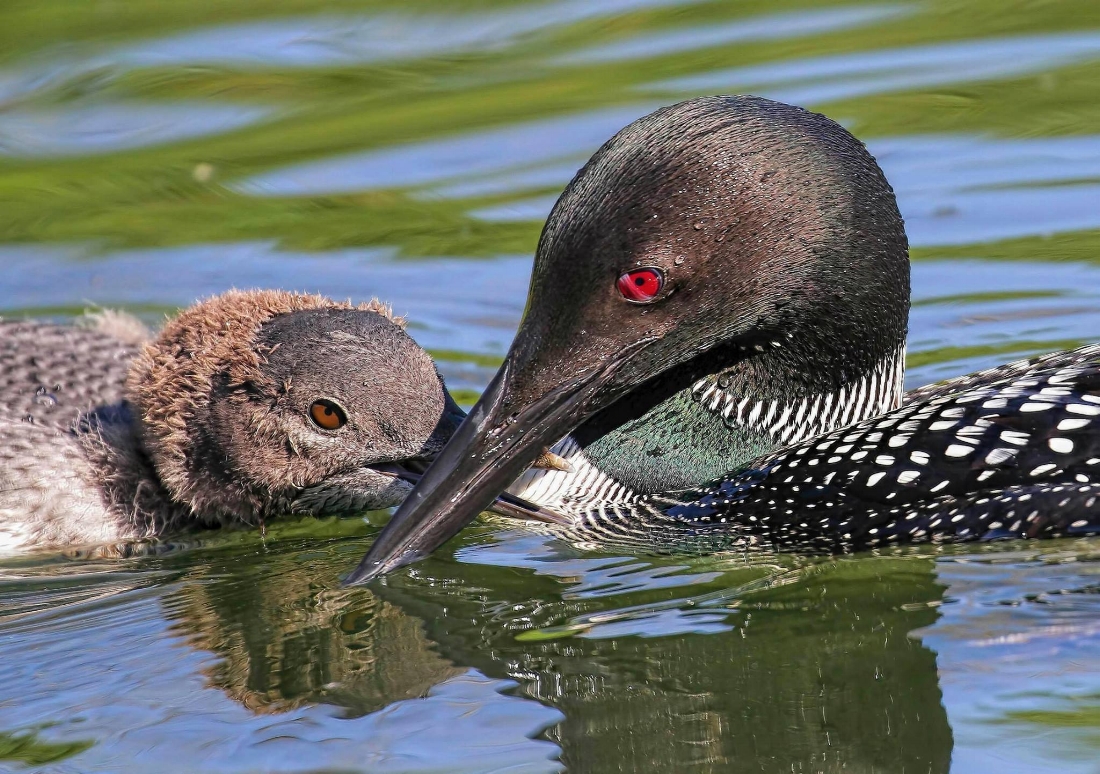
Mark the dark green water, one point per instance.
(155, 151)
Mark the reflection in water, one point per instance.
(829, 79)
(718, 664)
(486, 151)
(1019, 661)
(813, 675)
(79, 130)
(769, 27)
(246, 660)
(348, 40)
(764, 666)
(284, 641)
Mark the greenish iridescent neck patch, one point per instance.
(675, 445)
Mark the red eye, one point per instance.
(641, 285)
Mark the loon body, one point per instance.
(108, 435)
(715, 330)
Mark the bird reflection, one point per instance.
(283, 641)
(724, 672)
(815, 673)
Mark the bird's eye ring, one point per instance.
(641, 286)
(327, 414)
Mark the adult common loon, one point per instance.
(238, 411)
(721, 295)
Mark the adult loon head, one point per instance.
(725, 275)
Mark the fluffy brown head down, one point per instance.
(223, 395)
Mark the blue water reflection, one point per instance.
(319, 41)
(141, 682)
(818, 80)
(1019, 659)
(767, 27)
(507, 149)
(103, 127)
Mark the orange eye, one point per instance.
(327, 414)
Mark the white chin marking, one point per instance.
(585, 485)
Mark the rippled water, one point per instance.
(154, 152)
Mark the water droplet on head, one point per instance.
(698, 225)
(679, 260)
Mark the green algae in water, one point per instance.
(25, 747)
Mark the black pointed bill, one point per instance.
(494, 445)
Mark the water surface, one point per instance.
(152, 153)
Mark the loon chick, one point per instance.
(721, 294)
(241, 409)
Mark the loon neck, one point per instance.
(788, 415)
(716, 425)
